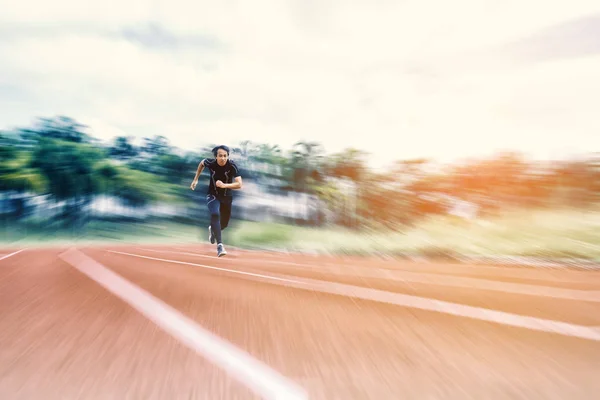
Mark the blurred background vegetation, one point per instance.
(58, 183)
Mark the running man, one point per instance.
(219, 198)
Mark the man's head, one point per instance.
(221, 153)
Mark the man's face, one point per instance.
(221, 157)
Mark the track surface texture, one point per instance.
(175, 322)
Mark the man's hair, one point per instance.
(223, 147)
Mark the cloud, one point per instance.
(155, 37)
(150, 35)
(397, 79)
(575, 38)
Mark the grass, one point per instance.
(100, 232)
(551, 234)
(541, 234)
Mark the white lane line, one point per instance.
(423, 303)
(505, 287)
(208, 267)
(460, 310)
(316, 265)
(263, 252)
(537, 275)
(257, 376)
(437, 280)
(178, 252)
(236, 259)
(12, 254)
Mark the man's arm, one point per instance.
(198, 172)
(238, 179)
(235, 185)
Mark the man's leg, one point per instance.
(214, 206)
(225, 214)
(225, 211)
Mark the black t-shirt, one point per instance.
(225, 174)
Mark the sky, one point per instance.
(441, 79)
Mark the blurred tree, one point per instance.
(156, 146)
(16, 177)
(175, 168)
(349, 164)
(136, 188)
(245, 148)
(122, 149)
(593, 162)
(105, 175)
(306, 159)
(68, 169)
(271, 156)
(268, 166)
(577, 181)
(61, 128)
(58, 157)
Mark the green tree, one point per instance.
(123, 149)
(268, 164)
(61, 128)
(245, 149)
(16, 176)
(175, 168)
(156, 146)
(68, 169)
(134, 188)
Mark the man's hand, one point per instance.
(193, 185)
(220, 184)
